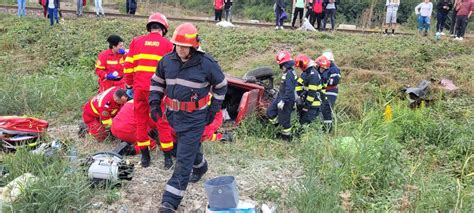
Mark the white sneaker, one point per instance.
(460, 38)
(281, 27)
(452, 35)
(442, 34)
(456, 39)
(277, 28)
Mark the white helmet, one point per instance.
(328, 54)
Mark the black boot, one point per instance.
(153, 134)
(168, 160)
(82, 130)
(145, 161)
(327, 127)
(166, 208)
(197, 174)
(227, 137)
(286, 138)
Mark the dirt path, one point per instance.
(257, 176)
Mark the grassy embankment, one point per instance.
(422, 160)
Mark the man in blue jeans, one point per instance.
(424, 11)
(21, 8)
(329, 12)
(53, 6)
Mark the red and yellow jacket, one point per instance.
(143, 57)
(103, 106)
(108, 62)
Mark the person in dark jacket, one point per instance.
(309, 10)
(183, 80)
(330, 77)
(53, 7)
(308, 90)
(131, 6)
(228, 10)
(330, 7)
(279, 10)
(443, 7)
(279, 111)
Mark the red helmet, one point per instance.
(160, 19)
(283, 56)
(302, 61)
(186, 35)
(323, 62)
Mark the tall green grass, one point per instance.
(59, 187)
(413, 163)
(420, 161)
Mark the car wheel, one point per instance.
(261, 73)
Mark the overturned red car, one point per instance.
(250, 94)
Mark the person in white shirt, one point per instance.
(391, 17)
(99, 11)
(424, 10)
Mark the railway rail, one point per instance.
(72, 13)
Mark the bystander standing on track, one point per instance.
(218, 5)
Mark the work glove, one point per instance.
(210, 116)
(122, 51)
(155, 112)
(280, 105)
(112, 76)
(129, 91)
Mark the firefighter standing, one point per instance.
(330, 76)
(145, 53)
(109, 65)
(331, 79)
(187, 75)
(98, 112)
(308, 89)
(281, 108)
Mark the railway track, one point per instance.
(12, 9)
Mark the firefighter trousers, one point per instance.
(95, 127)
(281, 117)
(142, 116)
(188, 158)
(306, 117)
(328, 106)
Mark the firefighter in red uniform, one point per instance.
(98, 112)
(141, 62)
(109, 65)
(168, 136)
(124, 126)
